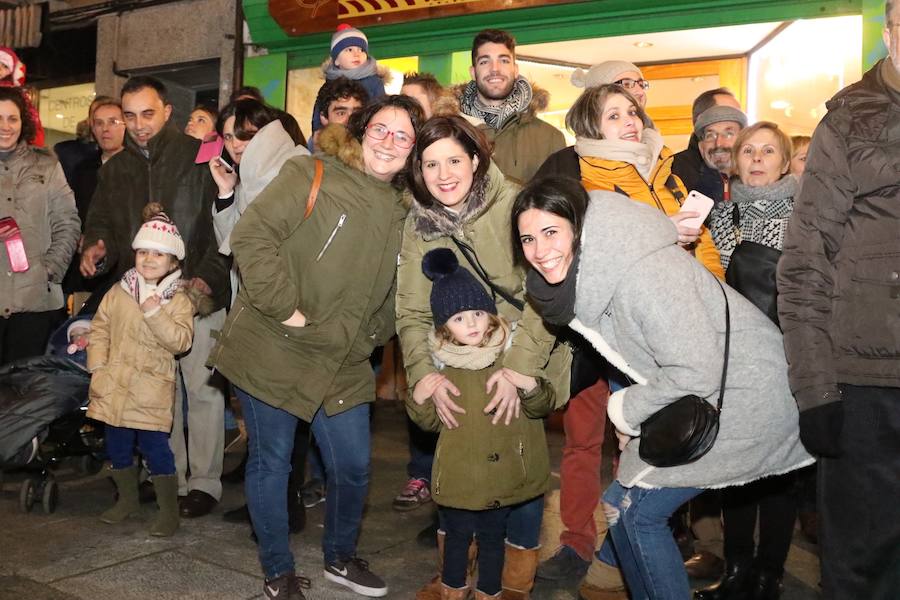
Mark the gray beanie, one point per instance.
(605, 72)
(718, 114)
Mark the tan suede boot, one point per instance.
(519, 566)
(602, 582)
(432, 589)
(449, 593)
(479, 595)
(127, 485)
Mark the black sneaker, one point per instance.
(355, 574)
(286, 587)
(564, 565)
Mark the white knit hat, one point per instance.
(158, 233)
(605, 72)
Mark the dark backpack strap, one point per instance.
(619, 190)
(469, 253)
(727, 346)
(672, 186)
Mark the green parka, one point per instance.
(479, 465)
(338, 268)
(485, 226)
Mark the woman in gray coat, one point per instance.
(40, 230)
(612, 270)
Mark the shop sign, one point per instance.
(298, 17)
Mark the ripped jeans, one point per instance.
(640, 542)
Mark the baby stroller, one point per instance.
(43, 401)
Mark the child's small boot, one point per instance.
(479, 595)
(432, 589)
(127, 485)
(166, 522)
(519, 566)
(449, 593)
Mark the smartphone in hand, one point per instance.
(224, 161)
(699, 203)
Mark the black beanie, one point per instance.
(454, 289)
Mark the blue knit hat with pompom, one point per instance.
(454, 288)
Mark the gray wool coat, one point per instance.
(656, 314)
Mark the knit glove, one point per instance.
(820, 429)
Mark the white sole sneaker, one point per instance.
(359, 589)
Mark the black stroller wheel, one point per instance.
(50, 496)
(27, 495)
(89, 465)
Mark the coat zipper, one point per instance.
(334, 231)
(522, 458)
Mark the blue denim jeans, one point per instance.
(344, 443)
(640, 542)
(153, 446)
(421, 451)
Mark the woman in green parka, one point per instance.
(462, 201)
(317, 297)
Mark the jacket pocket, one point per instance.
(334, 232)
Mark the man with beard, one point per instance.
(716, 129)
(689, 162)
(838, 300)
(507, 105)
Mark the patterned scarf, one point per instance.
(469, 357)
(518, 101)
(133, 283)
(756, 214)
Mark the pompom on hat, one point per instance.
(347, 37)
(603, 73)
(454, 288)
(158, 233)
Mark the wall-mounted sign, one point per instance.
(298, 17)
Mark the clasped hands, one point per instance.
(504, 405)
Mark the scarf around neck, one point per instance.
(133, 283)
(518, 101)
(554, 302)
(642, 155)
(367, 69)
(784, 188)
(469, 357)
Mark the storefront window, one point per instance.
(62, 108)
(792, 76)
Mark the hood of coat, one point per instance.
(264, 156)
(334, 140)
(436, 221)
(617, 234)
(540, 100)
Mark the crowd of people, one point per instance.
(517, 276)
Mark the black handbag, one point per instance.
(751, 271)
(685, 430)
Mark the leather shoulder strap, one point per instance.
(314, 190)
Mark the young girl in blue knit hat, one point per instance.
(480, 470)
(350, 58)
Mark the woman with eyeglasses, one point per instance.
(317, 257)
(462, 201)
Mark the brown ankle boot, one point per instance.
(479, 595)
(519, 566)
(432, 589)
(449, 593)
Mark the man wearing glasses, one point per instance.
(717, 128)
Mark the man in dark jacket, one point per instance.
(838, 301)
(688, 164)
(158, 165)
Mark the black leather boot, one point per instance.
(765, 584)
(734, 584)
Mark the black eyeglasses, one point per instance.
(629, 84)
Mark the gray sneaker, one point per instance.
(312, 493)
(286, 587)
(354, 573)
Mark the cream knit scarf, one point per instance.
(469, 357)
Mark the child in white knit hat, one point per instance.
(350, 58)
(141, 325)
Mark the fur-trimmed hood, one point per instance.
(436, 221)
(203, 303)
(334, 140)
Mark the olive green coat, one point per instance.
(479, 465)
(485, 226)
(338, 268)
